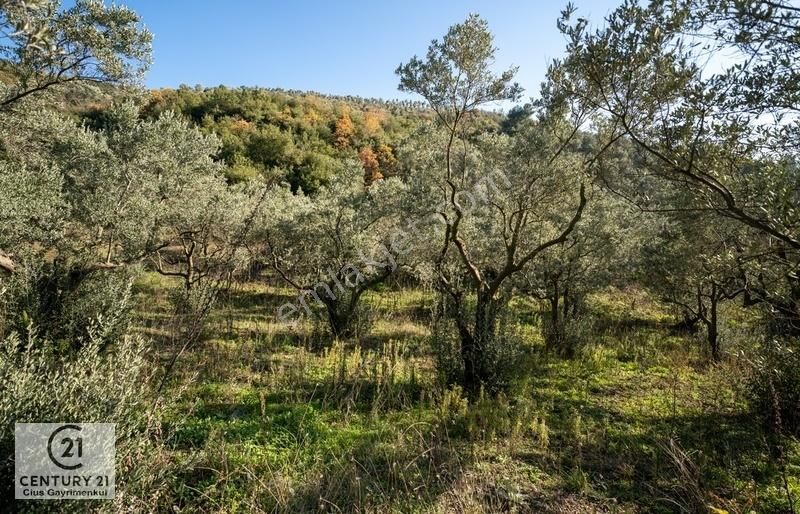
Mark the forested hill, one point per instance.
(300, 135)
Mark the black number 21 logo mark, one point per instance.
(68, 450)
(73, 447)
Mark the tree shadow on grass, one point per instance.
(632, 458)
(403, 470)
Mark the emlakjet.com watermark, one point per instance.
(72, 461)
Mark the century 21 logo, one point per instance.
(70, 450)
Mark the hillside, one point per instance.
(299, 135)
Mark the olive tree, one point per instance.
(706, 91)
(333, 247)
(721, 133)
(497, 201)
(105, 198)
(205, 236)
(598, 252)
(696, 267)
(118, 183)
(45, 46)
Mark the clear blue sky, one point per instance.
(337, 47)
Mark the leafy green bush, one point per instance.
(571, 335)
(446, 351)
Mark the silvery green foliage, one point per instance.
(514, 195)
(83, 201)
(205, 232)
(93, 385)
(519, 198)
(66, 306)
(308, 235)
(499, 201)
(123, 185)
(695, 266)
(456, 74)
(47, 45)
(42, 385)
(720, 136)
(43, 47)
(343, 235)
(599, 253)
(31, 204)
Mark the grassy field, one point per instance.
(267, 418)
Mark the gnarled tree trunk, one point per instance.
(341, 318)
(476, 341)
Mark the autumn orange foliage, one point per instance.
(371, 165)
(344, 132)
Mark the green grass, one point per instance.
(637, 422)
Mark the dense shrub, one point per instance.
(64, 302)
(445, 349)
(93, 384)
